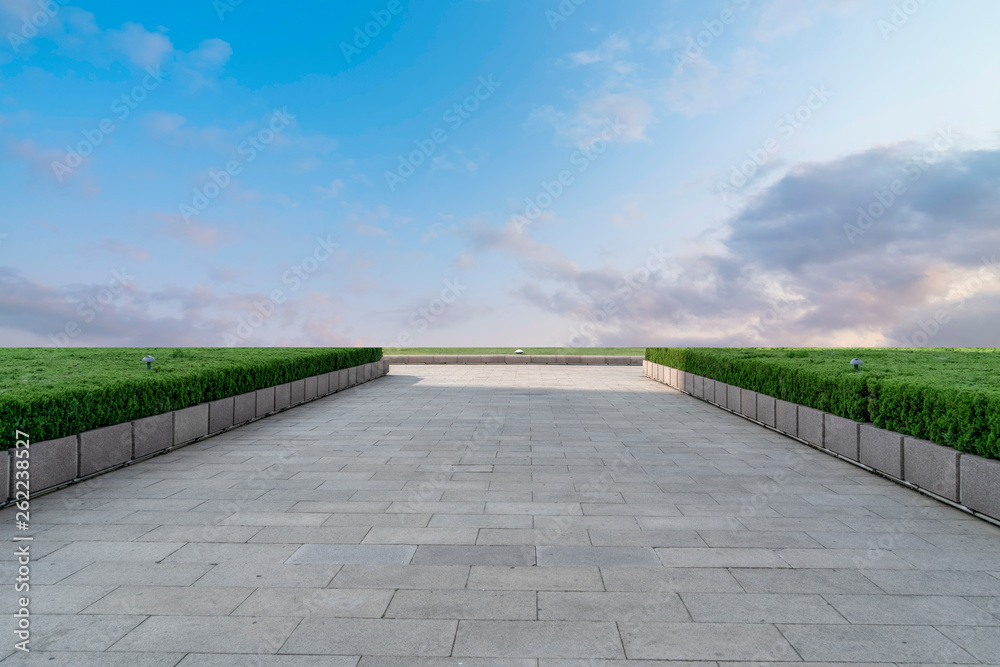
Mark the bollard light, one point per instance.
(149, 362)
(518, 351)
(856, 362)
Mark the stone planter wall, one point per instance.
(967, 480)
(55, 463)
(593, 360)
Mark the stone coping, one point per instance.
(584, 359)
(63, 461)
(964, 480)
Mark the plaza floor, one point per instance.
(550, 516)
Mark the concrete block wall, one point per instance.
(970, 481)
(55, 463)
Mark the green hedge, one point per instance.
(51, 393)
(952, 400)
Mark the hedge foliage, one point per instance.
(51, 393)
(950, 396)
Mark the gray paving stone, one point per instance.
(759, 608)
(386, 637)
(709, 641)
(910, 610)
(402, 576)
(872, 643)
(542, 639)
(353, 554)
(464, 605)
(596, 556)
(476, 555)
(170, 601)
(322, 602)
(803, 581)
(611, 606)
(213, 634)
(488, 577)
(102, 659)
(79, 632)
(222, 660)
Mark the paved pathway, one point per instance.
(498, 515)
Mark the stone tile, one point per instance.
(170, 601)
(910, 610)
(804, 581)
(541, 639)
(389, 535)
(401, 576)
(669, 580)
(125, 573)
(872, 643)
(980, 479)
(280, 575)
(216, 634)
(923, 582)
(811, 425)
(463, 605)
(322, 602)
(79, 632)
(710, 641)
(759, 608)
(982, 643)
(477, 555)
(536, 579)
(353, 554)
(94, 659)
(386, 637)
(596, 556)
(222, 660)
(62, 599)
(611, 606)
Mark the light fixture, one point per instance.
(856, 362)
(149, 362)
(518, 351)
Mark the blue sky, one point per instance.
(751, 172)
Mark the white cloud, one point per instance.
(143, 48)
(783, 18)
(705, 87)
(331, 190)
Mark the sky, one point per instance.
(486, 173)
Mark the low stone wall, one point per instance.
(593, 360)
(55, 463)
(967, 480)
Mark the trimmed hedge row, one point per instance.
(962, 417)
(55, 412)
